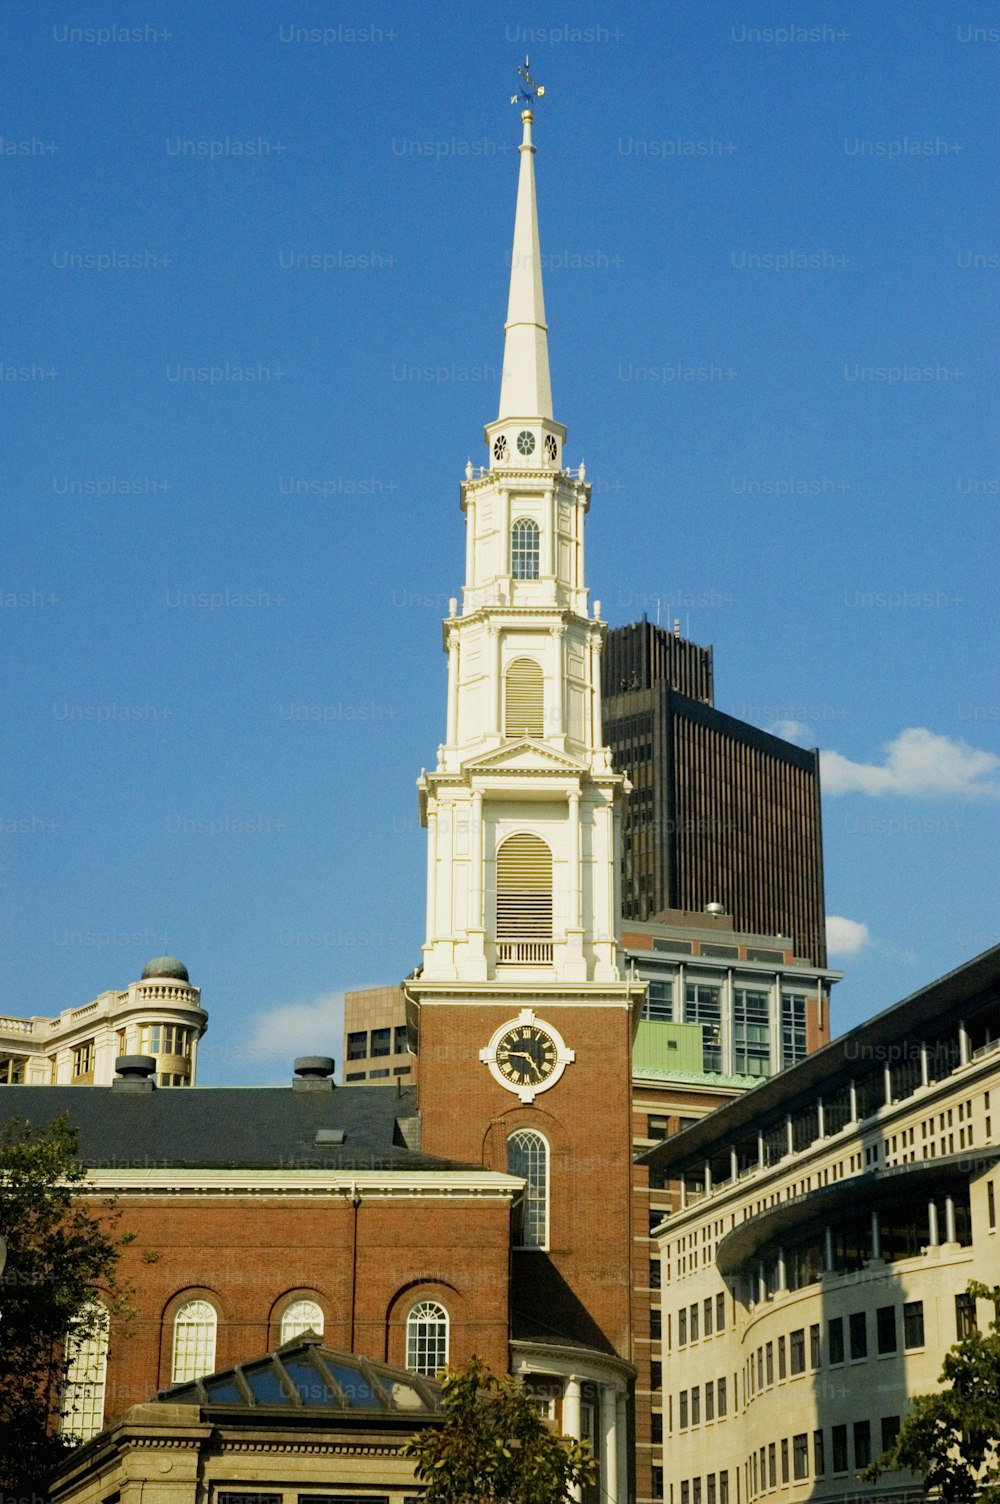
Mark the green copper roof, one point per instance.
(165, 966)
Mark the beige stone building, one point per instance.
(815, 1271)
(160, 1015)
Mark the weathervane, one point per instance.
(530, 91)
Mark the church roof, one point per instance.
(242, 1127)
(304, 1375)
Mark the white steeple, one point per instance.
(523, 809)
(525, 390)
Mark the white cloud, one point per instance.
(845, 937)
(793, 731)
(917, 762)
(291, 1029)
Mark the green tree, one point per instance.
(952, 1437)
(60, 1253)
(495, 1447)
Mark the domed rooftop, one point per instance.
(165, 966)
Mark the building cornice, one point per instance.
(369, 1185)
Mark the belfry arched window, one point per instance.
(528, 1156)
(524, 549)
(523, 699)
(524, 901)
(427, 1338)
(82, 1409)
(301, 1316)
(194, 1341)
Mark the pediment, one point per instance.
(524, 756)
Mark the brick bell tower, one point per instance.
(525, 1017)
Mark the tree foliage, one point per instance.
(495, 1447)
(59, 1255)
(952, 1437)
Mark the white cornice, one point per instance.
(379, 1185)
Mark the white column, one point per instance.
(596, 726)
(782, 1272)
(609, 1450)
(571, 1419)
(828, 1250)
(876, 1235)
(451, 736)
(622, 1440)
(734, 1165)
(964, 1052)
(887, 1085)
(820, 1118)
(470, 542)
(548, 559)
(575, 856)
(503, 540)
(932, 1224)
(924, 1071)
(559, 707)
(950, 1235)
(476, 850)
(854, 1102)
(431, 872)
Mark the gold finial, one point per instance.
(529, 91)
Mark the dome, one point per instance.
(165, 966)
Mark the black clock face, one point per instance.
(526, 1055)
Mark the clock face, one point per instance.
(526, 1056)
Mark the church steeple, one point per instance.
(525, 390)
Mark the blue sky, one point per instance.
(772, 273)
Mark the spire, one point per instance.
(525, 391)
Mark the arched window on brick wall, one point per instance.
(528, 1156)
(427, 1338)
(82, 1409)
(301, 1316)
(195, 1327)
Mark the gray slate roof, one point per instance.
(244, 1127)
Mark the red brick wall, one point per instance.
(582, 1285)
(247, 1256)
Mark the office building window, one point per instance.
(724, 1486)
(890, 1430)
(797, 1350)
(720, 1311)
(657, 1482)
(751, 1032)
(682, 1326)
(859, 1334)
(885, 1328)
(357, 1045)
(800, 1455)
(835, 1338)
(696, 1405)
(656, 1325)
(381, 1041)
(702, 1005)
(707, 1316)
(965, 1315)
(710, 1400)
(720, 1397)
(913, 1324)
(862, 1444)
(659, 1003)
(839, 1435)
(400, 1040)
(682, 1409)
(693, 1324)
(793, 1028)
(655, 1375)
(781, 1357)
(815, 1356)
(656, 1126)
(819, 1459)
(784, 1459)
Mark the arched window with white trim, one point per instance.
(524, 549)
(427, 1338)
(82, 1408)
(528, 1156)
(195, 1325)
(523, 699)
(301, 1316)
(524, 901)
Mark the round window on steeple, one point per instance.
(500, 448)
(550, 448)
(525, 442)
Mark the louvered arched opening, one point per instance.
(524, 902)
(524, 699)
